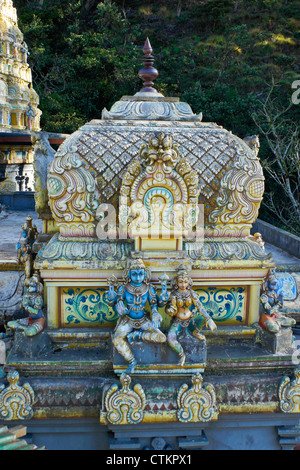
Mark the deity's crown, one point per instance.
(136, 264)
(182, 272)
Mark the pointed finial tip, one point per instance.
(147, 47)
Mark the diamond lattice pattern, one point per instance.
(109, 152)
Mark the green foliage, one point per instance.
(212, 13)
(80, 64)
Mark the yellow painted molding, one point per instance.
(270, 407)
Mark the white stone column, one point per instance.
(7, 48)
(6, 117)
(2, 353)
(18, 115)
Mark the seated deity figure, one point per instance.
(33, 304)
(271, 319)
(183, 318)
(134, 322)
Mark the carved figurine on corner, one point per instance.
(129, 302)
(33, 305)
(181, 299)
(271, 303)
(30, 116)
(24, 250)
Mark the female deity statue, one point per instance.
(271, 302)
(134, 322)
(178, 307)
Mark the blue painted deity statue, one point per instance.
(271, 318)
(134, 322)
(181, 300)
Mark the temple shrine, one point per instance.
(152, 316)
(19, 112)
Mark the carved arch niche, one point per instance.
(159, 196)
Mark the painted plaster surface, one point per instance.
(105, 350)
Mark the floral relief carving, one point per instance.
(289, 393)
(16, 401)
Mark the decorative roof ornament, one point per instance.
(198, 403)
(148, 103)
(124, 406)
(15, 400)
(289, 393)
(148, 72)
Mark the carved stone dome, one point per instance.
(91, 164)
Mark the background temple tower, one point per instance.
(19, 113)
(18, 100)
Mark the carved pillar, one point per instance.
(6, 115)
(53, 306)
(18, 115)
(254, 304)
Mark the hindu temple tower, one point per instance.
(19, 112)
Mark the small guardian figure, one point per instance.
(29, 231)
(183, 318)
(271, 319)
(33, 304)
(135, 323)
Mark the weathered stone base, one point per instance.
(25, 347)
(161, 359)
(275, 342)
(11, 291)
